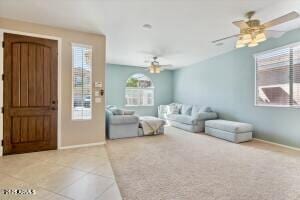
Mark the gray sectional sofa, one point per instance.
(187, 117)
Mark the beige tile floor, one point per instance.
(81, 173)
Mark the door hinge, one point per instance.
(2, 77)
(3, 44)
(2, 109)
(2, 142)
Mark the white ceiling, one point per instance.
(181, 33)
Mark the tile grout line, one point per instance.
(34, 185)
(110, 162)
(83, 177)
(66, 165)
(91, 173)
(86, 172)
(73, 182)
(105, 190)
(46, 189)
(67, 185)
(113, 178)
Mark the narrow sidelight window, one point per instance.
(81, 82)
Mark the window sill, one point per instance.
(277, 106)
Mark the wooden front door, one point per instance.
(30, 94)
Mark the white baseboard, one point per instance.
(277, 144)
(69, 147)
(83, 145)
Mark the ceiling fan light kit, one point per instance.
(151, 70)
(253, 43)
(252, 32)
(260, 37)
(246, 38)
(240, 43)
(155, 67)
(251, 40)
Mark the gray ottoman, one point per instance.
(228, 130)
(152, 123)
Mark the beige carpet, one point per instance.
(180, 165)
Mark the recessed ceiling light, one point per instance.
(147, 26)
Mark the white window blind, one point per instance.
(296, 76)
(139, 96)
(81, 82)
(278, 77)
(139, 91)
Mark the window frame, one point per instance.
(72, 83)
(291, 45)
(140, 88)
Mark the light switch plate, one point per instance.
(98, 84)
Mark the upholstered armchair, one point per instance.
(121, 125)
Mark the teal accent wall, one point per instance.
(227, 84)
(116, 77)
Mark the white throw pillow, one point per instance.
(186, 109)
(196, 109)
(128, 112)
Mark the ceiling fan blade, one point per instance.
(274, 33)
(285, 18)
(219, 40)
(241, 24)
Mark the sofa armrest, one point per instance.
(162, 111)
(163, 108)
(108, 115)
(201, 116)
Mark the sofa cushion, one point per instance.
(124, 119)
(198, 128)
(116, 111)
(185, 119)
(202, 116)
(197, 109)
(230, 126)
(186, 109)
(128, 112)
(174, 108)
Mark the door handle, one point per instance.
(53, 108)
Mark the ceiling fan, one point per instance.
(252, 32)
(155, 67)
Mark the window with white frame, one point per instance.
(278, 77)
(139, 91)
(81, 82)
